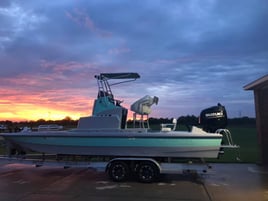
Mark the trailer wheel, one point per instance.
(118, 171)
(147, 172)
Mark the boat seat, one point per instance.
(142, 107)
(169, 127)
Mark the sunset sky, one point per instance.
(192, 54)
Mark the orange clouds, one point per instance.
(49, 106)
(21, 101)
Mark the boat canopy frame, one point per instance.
(105, 87)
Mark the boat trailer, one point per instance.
(145, 170)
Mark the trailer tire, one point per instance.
(147, 172)
(118, 171)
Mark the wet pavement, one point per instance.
(225, 182)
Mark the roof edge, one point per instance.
(256, 83)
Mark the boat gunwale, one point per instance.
(115, 135)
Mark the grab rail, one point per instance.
(228, 135)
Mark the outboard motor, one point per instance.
(213, 118)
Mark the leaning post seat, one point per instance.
(142, 107)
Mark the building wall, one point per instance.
(261, 105)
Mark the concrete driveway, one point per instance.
(225, 182)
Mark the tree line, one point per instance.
(194, 120)
(68, 122)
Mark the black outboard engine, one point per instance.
(213, 118)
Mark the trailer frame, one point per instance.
(145, 170)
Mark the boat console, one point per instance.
(107, 112)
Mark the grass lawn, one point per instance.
(246, 138)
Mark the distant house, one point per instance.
(3, 127)
(260, 88)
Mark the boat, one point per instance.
(105, 132)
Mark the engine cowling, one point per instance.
(213, 118)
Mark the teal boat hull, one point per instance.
(159, 144)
